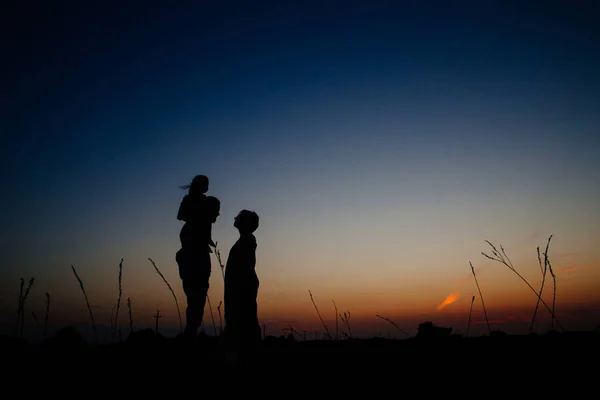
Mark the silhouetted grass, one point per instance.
(47, 314)
(481, 296)
(553, 292)
(172, 292)
(292, 331)
(157, 317)
(130, 315)
(501, 257)
(346, 320)
(393, 324)
(87, 302)
(212, 316)
(22, 305)
(327, 334)
(118, 300)
(470, 312)
(218, 256)
(337, 329)
(544, 271)
(220, 317)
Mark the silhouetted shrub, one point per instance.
(429, 330)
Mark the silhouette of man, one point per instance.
(193, 259)
(242, 330)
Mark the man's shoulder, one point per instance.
(249, 243)
(250, 238)
(243, 243)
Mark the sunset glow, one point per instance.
(449, 300)
(381, 144)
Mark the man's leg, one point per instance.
(250, 335)
(232, 326)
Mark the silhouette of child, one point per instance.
(242, 330)
(193, 259)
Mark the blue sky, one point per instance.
(363, 133)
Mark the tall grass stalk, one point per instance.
(172, 292)
(87, 302)
(501, 257)
(481, 296)
(218, 256)
(544, 271)
(470, 312)
(292, 331)
(337, 328)
(23, 304)
(220, 318)
(130, 315)
(393, 324)
(327, 334)
(212, 316)
(20, 307)
(48, 300)
(553, 292)
(346, 320)
(157, 317)
(118, 300)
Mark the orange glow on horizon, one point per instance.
(449, 300)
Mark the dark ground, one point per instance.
(554, 363)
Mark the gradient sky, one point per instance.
(380, 143)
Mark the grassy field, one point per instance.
(552, 364)
(436, 360)
(349, 353)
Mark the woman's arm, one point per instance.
(183, 213)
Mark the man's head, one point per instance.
(212, 207)
(246, 221)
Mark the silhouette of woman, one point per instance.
(193, 259)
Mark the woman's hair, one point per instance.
(199, 184)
